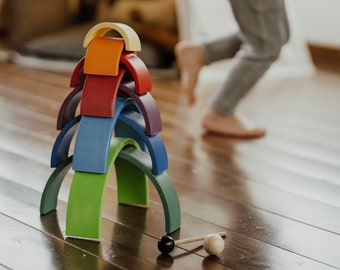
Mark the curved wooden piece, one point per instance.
(62, 143)
(139, 72)
(103, 56)
(84, 209)
(68, 109)
(131, 39)
(99, 94)
(78, 76)
(93, 140)
(147, 105)
(162, 182)
(49, 197)
(124, 130)
(132, 167)
(131, 124)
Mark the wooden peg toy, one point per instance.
(213, 243)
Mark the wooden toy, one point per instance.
(139, 72)
(68, 108)
(147, 105)
(78, 76)
(92, 157)
(131, 39)
(82, 187)
(162, 183)
(145, 102)
(100, 91)
(103, 56)
(99, 94)
(62, 143)
(99, 132)
(119, 123)
(150, 110)
(49, 197)
(133, 124)
(133, 64)
(84, 194)
(212, 242)
(127, 176)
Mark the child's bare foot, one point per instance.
(190, 59)
(235, 125)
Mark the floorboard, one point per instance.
(277, 197)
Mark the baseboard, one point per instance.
(325, 57)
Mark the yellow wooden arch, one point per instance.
(131, 39)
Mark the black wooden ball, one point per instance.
(166, 244)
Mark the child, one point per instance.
(263, 30)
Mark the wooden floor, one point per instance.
(277, 197)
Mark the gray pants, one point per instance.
(263, 31)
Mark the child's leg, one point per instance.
(190, 60)
(264, 29)
(191, 57)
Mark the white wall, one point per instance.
(320, 21)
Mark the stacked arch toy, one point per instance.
(119, 124)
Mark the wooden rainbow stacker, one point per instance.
(112, 85)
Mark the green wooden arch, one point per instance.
(84, 210)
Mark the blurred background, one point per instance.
(49, 34)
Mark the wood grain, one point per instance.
(277, 197)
